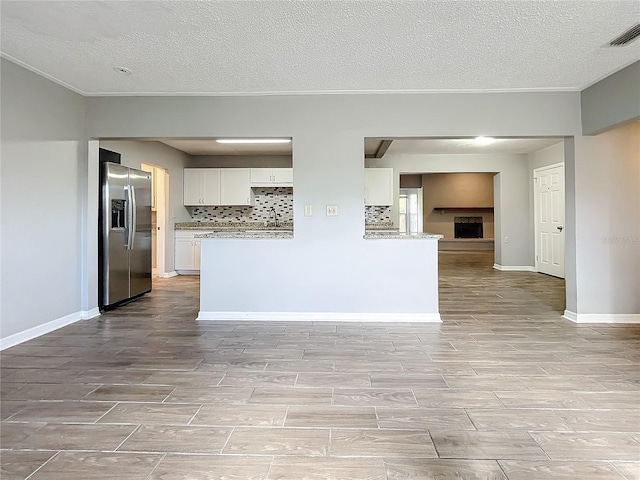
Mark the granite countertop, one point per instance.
(284, 226)
(401, 236)
(233, 226)
(284, 234)
(372, 227)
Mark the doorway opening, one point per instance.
(479, 194)
(159, 181)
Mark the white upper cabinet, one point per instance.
(282, 176)
(272, 177)
(210, 186)
(235, 188)
(201, 186)
(217, 186)
(260, 175)
(378, 186)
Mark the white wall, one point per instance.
(511, 202)
(43, 176)
(607, 222)
(328, 134)
(544, 157)
(134, 154)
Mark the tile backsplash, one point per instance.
(377, 214)
(280, 198)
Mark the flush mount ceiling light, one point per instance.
(122, 70)
(484, 140)
(253, 140)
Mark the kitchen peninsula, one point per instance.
(340, 265)
(275, 276)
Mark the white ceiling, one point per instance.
(259, 46)
(371, 146)
(470, 146)
(211, 147)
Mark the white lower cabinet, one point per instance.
(187, 252)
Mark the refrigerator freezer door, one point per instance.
(116, 255)
(140, 250)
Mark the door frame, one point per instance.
(536, 209)
(162, 219)
(160, 179)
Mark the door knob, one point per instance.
(559, 228)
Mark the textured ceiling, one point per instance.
(252, 46)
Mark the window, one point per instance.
(410, 210)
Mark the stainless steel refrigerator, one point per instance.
(125, 243)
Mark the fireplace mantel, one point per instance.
(463, 209)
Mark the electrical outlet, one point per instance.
(506, 239)
(332, 210)
(308, 210)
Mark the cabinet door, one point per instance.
(196, 254)
(283, 176)
(184, 254)
(235, 187)
(210, 186)
(260, 175)
(378, 188)
(192, 193)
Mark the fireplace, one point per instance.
(467, 227)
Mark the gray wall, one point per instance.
(43, 178)
(612, 101)
(607, 209)
(135, 153)
(511, 202)
(240, 161)
(328, 134)
(570, 219)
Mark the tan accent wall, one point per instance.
(411, 181)
(463, 190)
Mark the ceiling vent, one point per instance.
(627, 37)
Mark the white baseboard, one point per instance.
(514, 268)
(48, 327)
(321, 316)
(87, 314)
(601, 317)
(188, 272)
(170, 274)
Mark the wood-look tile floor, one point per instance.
(504, 388)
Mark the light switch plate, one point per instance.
(308, 210)
(332, 210)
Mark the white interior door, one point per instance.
(549, 219)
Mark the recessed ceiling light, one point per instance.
(253, 140)
(122, 70)
(484, 140)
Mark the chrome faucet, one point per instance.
(275, 216)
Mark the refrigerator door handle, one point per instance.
(134, 219)
(129, 224)
(127, 217)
